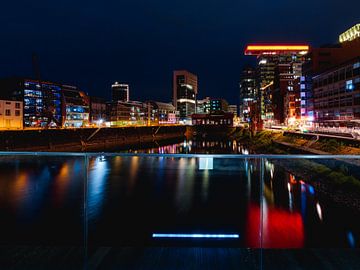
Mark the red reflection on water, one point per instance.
(281, 229)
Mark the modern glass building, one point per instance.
(185, 89)
(248, 92)
(47, 104)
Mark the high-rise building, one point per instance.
(120, 92)
(278, 66)
(248, 92)
(185, 89)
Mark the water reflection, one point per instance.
(129, 198)
(39, 197)
(199, 147)
(293, 213)
(98, 171)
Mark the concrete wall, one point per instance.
(86, 139)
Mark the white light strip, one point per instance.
(197, 235)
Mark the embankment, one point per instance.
(87, 139)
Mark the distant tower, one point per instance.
(185, 89)
(120, 92)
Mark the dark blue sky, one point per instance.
(93, 43)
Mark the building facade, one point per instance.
(248, 92)
(120, 92)
(337, 96)
(213, 119)
(203, 105)
(233, 109)
(11, 114)
(185, 89)
(218, 104)
(97, 111)
(165, 113)
(46, 104)
(122, 113)
(278, 66)
(76, 107)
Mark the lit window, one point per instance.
(349, 85)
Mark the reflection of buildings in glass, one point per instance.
(185, 89)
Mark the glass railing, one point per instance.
(149, 211)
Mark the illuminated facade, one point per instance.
(350, 34)
(122, 113)
(337, 96)
(213, 119)
(97, 111)
(233, 109)
(120, 92)
(47, 104)
(41, 101)
(164, 113)
(185, 89)
(248, 92)
(11, 114)
(278, 66)
(76, 107)
(203, 105)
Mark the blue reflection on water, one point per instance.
(97, 182)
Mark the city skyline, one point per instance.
(114, 48)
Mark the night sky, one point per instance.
(94, 43)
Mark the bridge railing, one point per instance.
(94, 210)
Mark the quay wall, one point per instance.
(87, 139)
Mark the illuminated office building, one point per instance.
(351, 34)
(76, 107)
(121, 113)
(46, 104)
(120, 92)
(248, 92)
(337, 95)
(185, 89)
(278, 66)
(203, 105)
